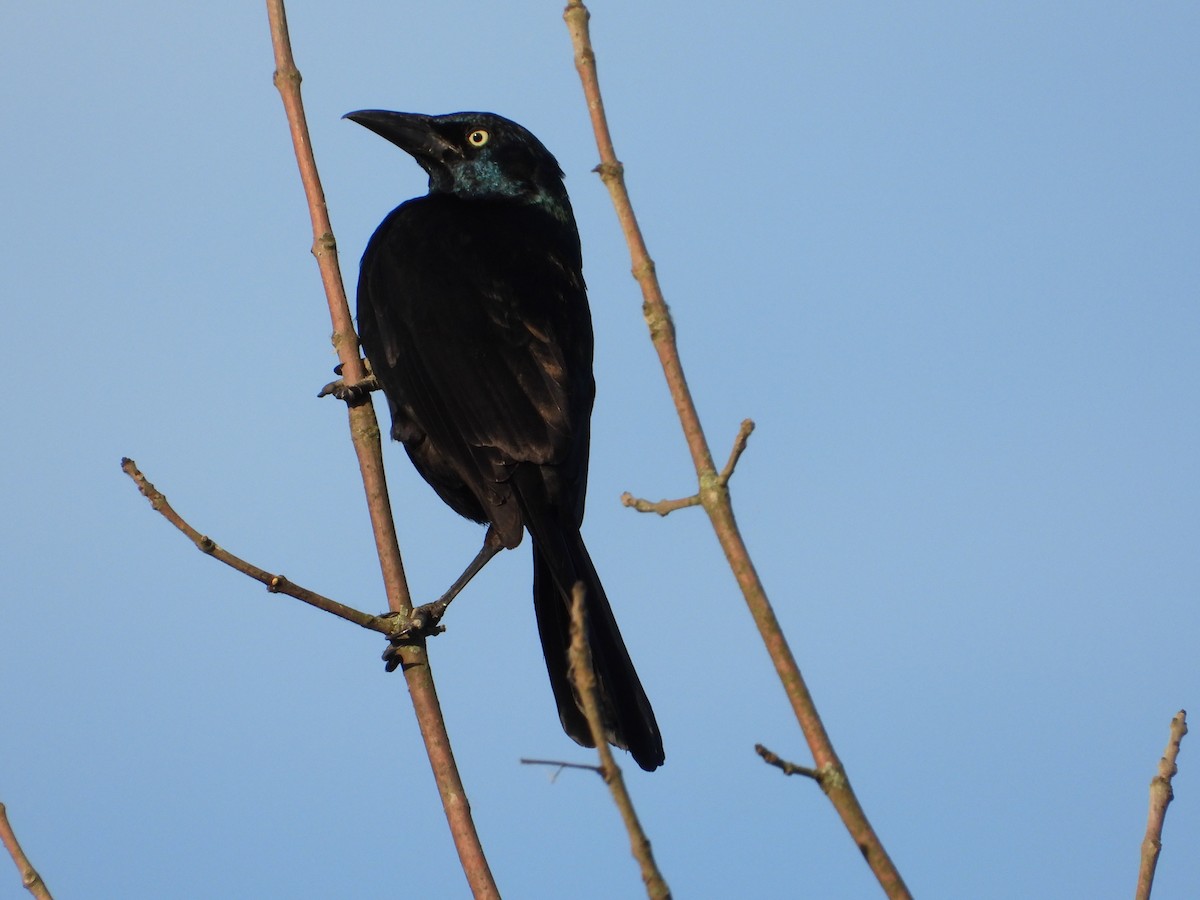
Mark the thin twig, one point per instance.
(29, 876)
(662, 507)
(788, 768)
(713, 491)
(739, 447)
(1161, 796)
(584, 678)
(364, 431)
(276, 584)
(562, 764)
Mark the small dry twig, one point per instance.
(1161, 796)
(788, 768)
(29, 876)
(560, 764)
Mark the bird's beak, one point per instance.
(411, 132)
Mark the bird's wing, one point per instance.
(477, 326)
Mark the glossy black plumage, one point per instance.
(473, 314)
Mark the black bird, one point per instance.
(473, 316)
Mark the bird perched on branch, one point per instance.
(473, 315)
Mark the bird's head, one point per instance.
(474, 155)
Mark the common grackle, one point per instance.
(473, 316)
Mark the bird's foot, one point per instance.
(351, 393)
(424, 621)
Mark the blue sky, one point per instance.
(945, 255)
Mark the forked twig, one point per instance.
(665, 507)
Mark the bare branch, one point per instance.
(364, 432)
(276, 584)
(1161, 796)
(713, 487)
(584, 678)
(29, 876)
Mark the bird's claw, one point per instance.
(424, 621)
(351, 393)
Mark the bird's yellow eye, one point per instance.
(478, 137)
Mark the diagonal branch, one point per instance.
(713, 492)
(1160, 797)
(276, 584)
(364, 432)
(29, 876)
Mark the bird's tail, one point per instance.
(560, 559)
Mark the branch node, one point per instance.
(832, 778)
(658, 317)
(285, 75)
(712, 490)
(610, 171)
(324, 244)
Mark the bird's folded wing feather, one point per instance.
(472, 316)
